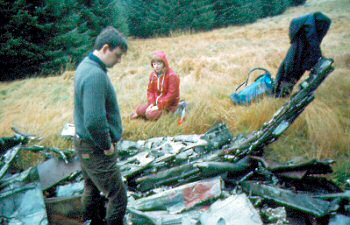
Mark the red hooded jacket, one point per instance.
(165, 90)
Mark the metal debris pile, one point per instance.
(212, 178)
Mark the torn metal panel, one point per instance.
(293, 174)
(217, 136)
(158, 154)
(190, 217)
(296, 169)
(135, 164)
(193, 138)
(314, 185)
(347, 208)
(7, 143)
(65, 154)
(19, 179)
(128, 148)
(55, 170)
(295, 217)
(339, 219)
(274, 215)
(181, 198)
(173, 145)
(64, 206)
(165, 177)
(23, 205)
(19, 138)
(302, 202)
(137, 217)
(68, 130)
(69, 190)
(170, 157)
(64, 220)
(7, 158)
(215, 168)
(312, 166)
(222, 211)
(343, 195)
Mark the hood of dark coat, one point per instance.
(317, 20)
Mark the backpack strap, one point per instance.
(252, 70)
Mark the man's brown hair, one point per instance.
(113, 38)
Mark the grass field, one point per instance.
(210, 65)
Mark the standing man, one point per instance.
(98, 129)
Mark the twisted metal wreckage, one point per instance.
(213, 178)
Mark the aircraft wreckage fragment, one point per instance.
(191, 179)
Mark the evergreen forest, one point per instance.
(46, 37)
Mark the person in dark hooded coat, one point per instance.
(306, 34)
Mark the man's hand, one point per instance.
(110, 151)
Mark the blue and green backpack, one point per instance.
(262, 85)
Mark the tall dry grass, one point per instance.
(211, 65)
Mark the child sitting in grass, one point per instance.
(163, 93)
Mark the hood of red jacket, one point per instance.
(162, 56)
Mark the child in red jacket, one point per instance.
(163, 93)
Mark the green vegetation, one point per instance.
(44, 37)
(41, 37)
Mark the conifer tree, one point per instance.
(137, 17)
(274, 7)
(21, 39)
(44, 36)
(225, 11)
(298, 2)
(39, 37)
(247, 11)
(161, 17)
(229, 12)
(203, 15)
(99, 14)
(70, 38)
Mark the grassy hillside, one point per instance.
(210, 65)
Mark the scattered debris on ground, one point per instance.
(211, 178)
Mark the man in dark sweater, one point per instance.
(98, 128)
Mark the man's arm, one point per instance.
(95, 120)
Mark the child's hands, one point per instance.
(153, 108)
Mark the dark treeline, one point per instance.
(148, 18)
(41, 37)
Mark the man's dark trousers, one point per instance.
(101, 174)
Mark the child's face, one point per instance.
(158, 66)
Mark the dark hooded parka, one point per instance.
(306, 34)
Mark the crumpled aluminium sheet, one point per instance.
(181, 198)
(236, 209)
(23, 206)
